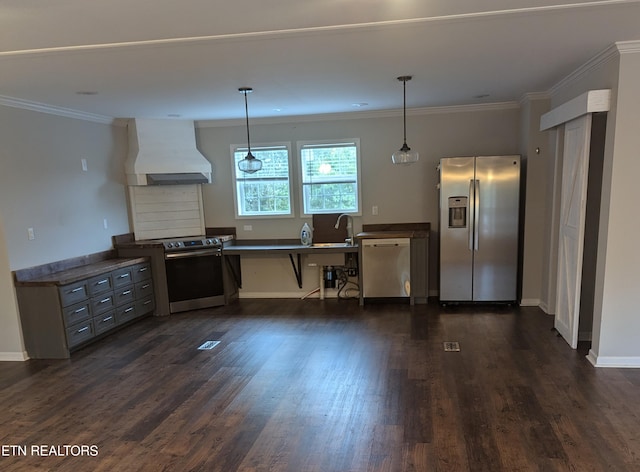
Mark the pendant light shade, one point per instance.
(404, 155)
(250, 163)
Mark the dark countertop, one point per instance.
(395, 230)
(75, 274)
(145, 244)
(283, 246)
(391, 234)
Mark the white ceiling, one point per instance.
(161, 58)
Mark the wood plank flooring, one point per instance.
(308, 385)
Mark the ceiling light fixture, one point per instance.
(250, 163)
(404, 155)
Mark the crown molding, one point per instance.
(533, 96)
(594, 63)
(79, 115)
(627, 47)
(608, 54)
(53, 110)
(362, 115)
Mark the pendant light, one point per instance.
(250, 163)
(404, 155)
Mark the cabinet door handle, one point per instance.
(106, 300)
(145, 286)
(123, 276)
(108, 318)
(142, 269)
(126, 292)
(147, 302)
(82, 329)
(78, 289)
(80, 310)
(104, 281)
(128, 309)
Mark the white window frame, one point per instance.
(239, 175)
(300, 146)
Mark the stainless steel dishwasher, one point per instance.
(386, 267)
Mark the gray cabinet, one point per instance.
(60, 317)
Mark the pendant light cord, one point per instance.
(404, 108)
(246, 111)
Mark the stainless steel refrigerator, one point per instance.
(479, 208)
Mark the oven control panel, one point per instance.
(186, 244)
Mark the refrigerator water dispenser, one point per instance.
(458, 212)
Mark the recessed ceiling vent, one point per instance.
(164, 152)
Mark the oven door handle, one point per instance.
(196, 253)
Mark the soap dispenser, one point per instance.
(306, 236)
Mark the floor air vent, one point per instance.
(208, 345)
(452, 346)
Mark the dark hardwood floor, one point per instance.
(325, 386)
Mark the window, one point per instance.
(330, 176)
(268, 191)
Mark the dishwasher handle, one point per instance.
(385, 242)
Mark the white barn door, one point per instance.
(575, 171)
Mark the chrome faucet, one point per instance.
(350, 241)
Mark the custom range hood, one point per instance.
(163, 152)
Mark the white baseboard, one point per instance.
(613, 361)
(530, 302)
(13, 356)
(544, 307)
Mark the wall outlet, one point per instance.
(374, 210)
(105, 223)
(31, 234)
(248, 228)
(83, 162)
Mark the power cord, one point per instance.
(346, 288)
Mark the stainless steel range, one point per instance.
(188, 272)
(194, 273)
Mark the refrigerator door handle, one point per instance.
(476, 215)
(470, 224)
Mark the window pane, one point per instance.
(329, 177)
(267, 191)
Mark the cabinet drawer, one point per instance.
(79, 333)
(125, 313)
(141, 272)
(76, 313)
(104, 322)
(102, 304)
(145, 306)
(122, 277)
(123, 295)
(74, 293)
(144, 289)
(100, 284)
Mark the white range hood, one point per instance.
(163, 152)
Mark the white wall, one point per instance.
(402, 194)
(616, 325)
(42, 186)
(619, 270)
(533, 139)
(11, 344)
